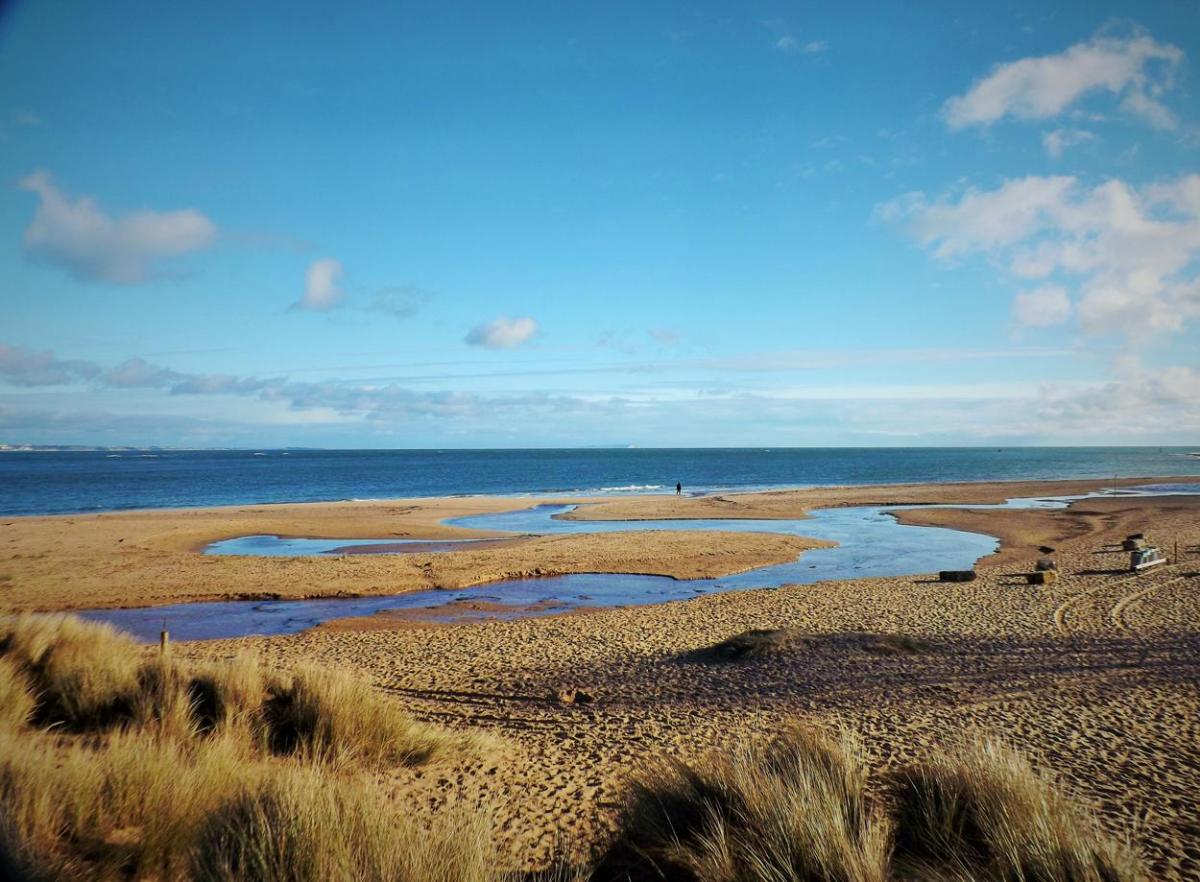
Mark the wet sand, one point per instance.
(151, 557)
(1095, 676)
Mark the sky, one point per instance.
(573, 224)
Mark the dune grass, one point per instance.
(119, 763)
(767, 643)
(87, 677)
(141, 807)
(17, 700)
(229, 695)
(796, 810)
(304, 828)
(123, 809)
(327, 716)
(84, 674)
(985, 815)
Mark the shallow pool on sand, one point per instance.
(870, 543)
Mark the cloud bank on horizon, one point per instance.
(611, 242)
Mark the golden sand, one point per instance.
(1095, 676)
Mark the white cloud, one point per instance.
(321, 291)
(96, 247)
(1138, 402)
(502, 333)
(1130, 254)
(1059, 140)
(788, 43)
(1042, 307)
(1137, 69)
(978, 220)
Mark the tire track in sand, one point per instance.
(1117, 614)
(1061, 612)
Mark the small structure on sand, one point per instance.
(1144, 558)
(956, 576)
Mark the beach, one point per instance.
(1094, 676)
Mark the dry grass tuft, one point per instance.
(795, 810)
(228, 696)
(757, 644)
(157, 753)
(91, 678)
(162, 704)
(84, 674)
(17, 700)
(986, 815)
(303, 828)
(127, 809)
(327, 716)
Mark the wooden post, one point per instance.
(164, 639)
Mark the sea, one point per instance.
(65, 482)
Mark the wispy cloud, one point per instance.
(668, 337)
(1059, 140)
(502, 333)
(401, 301)
(788, 43)
(1136, 69)
(26, 367)
(1042, 307)
(25, 118)
(77, 235)
(1138, 404)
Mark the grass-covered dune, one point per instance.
(117, 763)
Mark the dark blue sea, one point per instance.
(87, 481)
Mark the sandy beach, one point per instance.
(1095, 676)
(148, 558)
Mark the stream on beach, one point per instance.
(870, 543)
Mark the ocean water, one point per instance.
(88, 481)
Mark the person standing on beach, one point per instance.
(678, 488)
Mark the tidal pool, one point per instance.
(871, 543)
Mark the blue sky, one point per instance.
(469, 224)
